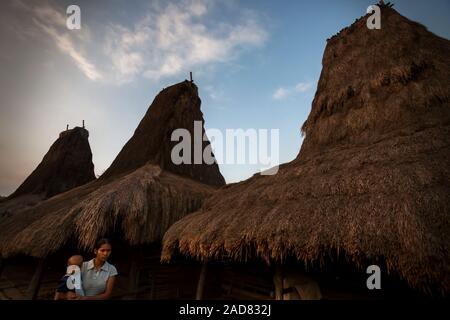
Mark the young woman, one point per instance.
(98, 275)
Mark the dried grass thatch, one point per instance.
(67, 164)
(372, 178)
(138, 198)
(140, 205)
(175, 107)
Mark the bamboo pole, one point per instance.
(33, 287)
(278, 282)
(201, 281)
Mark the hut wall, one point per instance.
(154, 280)
(339, 279)
(235, 281)
(178, 280)
(18, 272)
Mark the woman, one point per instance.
(97, 275)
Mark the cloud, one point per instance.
(284, 92)
(66, 45)
(280, 93)
(176, 38)
(169, 39)
(52, 21)
(303, 86)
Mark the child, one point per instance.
(69, 287)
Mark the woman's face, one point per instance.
(102, 253)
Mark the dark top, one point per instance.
(62, 285)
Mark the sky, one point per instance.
(256, 63)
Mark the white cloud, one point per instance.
(66, 45)
(303, 86)
(284, 92)
(170, 39)
(177, 41)
(197, 8)
(280, 93)
(52, 22)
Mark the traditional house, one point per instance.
(134, 202)
(370, 185)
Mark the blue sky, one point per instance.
(256, 63)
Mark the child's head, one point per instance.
(72, 280)
(76, 260)
(73, 261)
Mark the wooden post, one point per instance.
(83, 124)
(67, 128)
(134, 274)
(190, 76)
(33, 287)
(278, 282)
(201, 281)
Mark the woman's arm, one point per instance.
(105, 295)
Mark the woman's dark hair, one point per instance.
(101, 242)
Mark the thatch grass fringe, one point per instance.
(373, 174)
(141, 205)
(390, 199)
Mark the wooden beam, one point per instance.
(278, 282)
(201, 281)
(33, 287)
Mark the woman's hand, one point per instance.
(78, 297)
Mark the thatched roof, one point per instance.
(372, 178)
(68, 164)
(177, 106)
(140, 205)
(137, 198)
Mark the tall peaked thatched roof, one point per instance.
(140, 196)
(66, 165)
(177, 106)
(372, 177)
